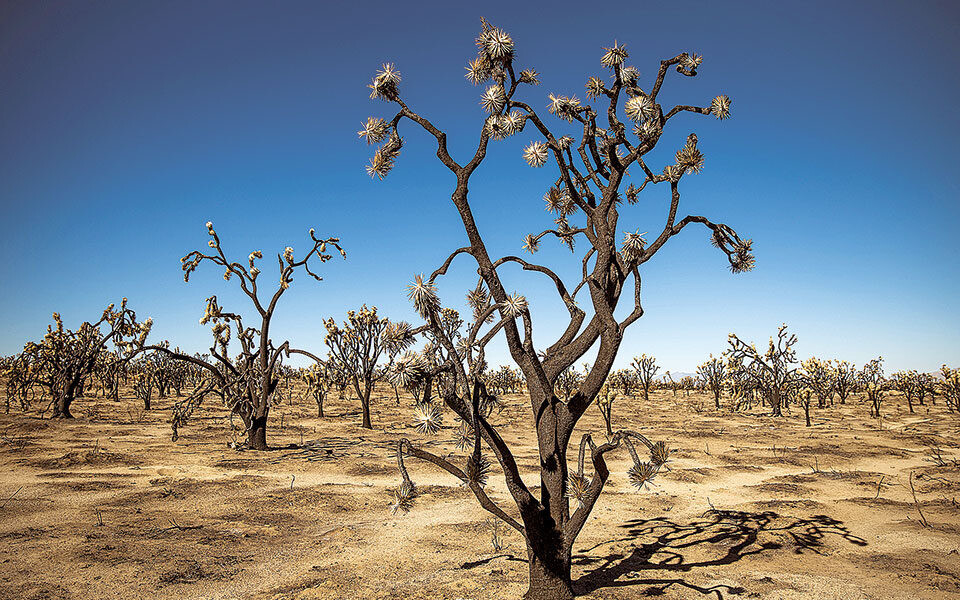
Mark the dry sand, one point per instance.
(106, 506)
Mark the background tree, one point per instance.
(20, 384)
(108, 373)
(874, 385)
(925, 385)
(688, 384)
(646, 369)
(65, 359)
(739, 382)
(568, 382)
(844, 379)
(608, 393)
(505, 380)
(803, 397)
(357, 348)
(589, 189)
(713, 374)
(773, 372)
(670, 383)
(624, 380)
(319, 378)
(247, 381)
(818, 376)
(949, 387)
(907, 383)
(143, 374)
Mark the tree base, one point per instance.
(548, 583)
(257, 436)
(549, 589)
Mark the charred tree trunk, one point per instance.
(63, 400)
(365, 406)
(257, 434)
(775, 405)
(549, 567)
(427, 390)
(61, 406)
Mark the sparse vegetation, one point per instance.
(700, 501)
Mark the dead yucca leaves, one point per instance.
(577, 487)
(403, 497)
(642, 473)
(659, 454)
(477, 470)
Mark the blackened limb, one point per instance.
(478, 491)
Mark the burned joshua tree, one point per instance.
(713, 373)
(949, 387)
(646, 369)
(874, 384)
(818, 376)
(588, 193)
(773, 372)
(246, 382)
(844, 376)
(65, 360)
(359, 346)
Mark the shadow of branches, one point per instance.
(717, 538)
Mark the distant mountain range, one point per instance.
(677, 376)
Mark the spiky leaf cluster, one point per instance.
(564, 107)
(641, 474)
(720, 107)
(477, 469)
(689, 158)
(385, 157)
(429, 418)
(536, 154)
(503, 126)
(514, 305)
(385, 83)
(577, 487)
(614, 56)
(403, 498)
(640, 108)
(633, 243)
(423, 294)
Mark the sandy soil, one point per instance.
(106, 506)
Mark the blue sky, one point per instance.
(125, 126)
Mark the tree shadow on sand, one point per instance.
(717, 538)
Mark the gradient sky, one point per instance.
(125, 126)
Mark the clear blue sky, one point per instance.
(125, 126)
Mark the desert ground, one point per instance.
(107, 506)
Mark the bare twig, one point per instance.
(11, 496)
(923, 519)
